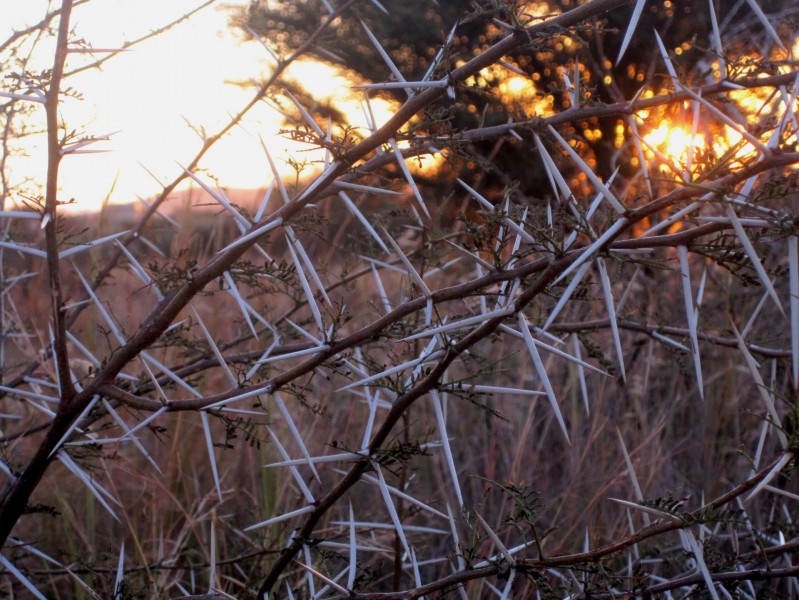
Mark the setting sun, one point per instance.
(157, 102)
(674, 142)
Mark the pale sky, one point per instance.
(147, 94)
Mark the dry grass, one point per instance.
(679, 445)
(338, 402)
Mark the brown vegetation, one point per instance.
(590, 392)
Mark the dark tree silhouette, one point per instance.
(412, 32)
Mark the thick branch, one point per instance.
(51, 209)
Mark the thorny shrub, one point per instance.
(388, 381)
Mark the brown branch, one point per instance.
(18, 491)
(45, 22)
(650, 330)
(67, 391)
(164, 314)
(622, 108)
(699, 579)
(594, 556)
(486, 133)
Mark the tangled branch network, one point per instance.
(394, 380)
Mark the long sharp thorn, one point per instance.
(215, 349)
(367, 225)
(391, 509)
(669, 66)
(307, 262)
(614, 324)
(283, 517)
(639, 497)
(353, 552)
(306, 288)
(589, 173)
(294, 471)
(793, 259)
(408, 266)
(442, 431)
(566, 295)
(233, 290)
(283, 193)
(753, 258)
(305, 115)
(384, 55)
(765, 23)
(497, 542)
(295, 432)
(209, 446)
(581, 373)
(691, 317)
(700, 561)
(408, 177)
(761, 386)
(542, 374)
(9, 566)
(639, 7)
(717, 46)
(589, 252)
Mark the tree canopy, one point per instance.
(531, 80)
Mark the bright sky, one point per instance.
(147, 95)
